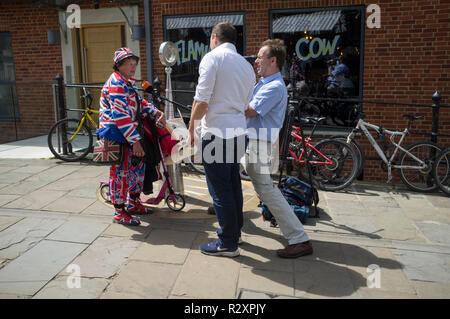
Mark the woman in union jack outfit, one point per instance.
(119, 102)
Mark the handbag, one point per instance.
(108, 152)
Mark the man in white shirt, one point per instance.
(223, 92)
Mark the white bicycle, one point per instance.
(415, 162)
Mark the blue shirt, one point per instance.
(269, 100)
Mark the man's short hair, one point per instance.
(276, 49)
(225, 32)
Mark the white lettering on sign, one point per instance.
(306, 49)
(193, 51)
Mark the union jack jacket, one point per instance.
(118, 107)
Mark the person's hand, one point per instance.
(138, 150)
(161, 120)
(191, 136)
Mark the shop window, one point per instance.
(320, 41)
(191, 35)
(8, 93)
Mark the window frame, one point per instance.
(13, 84)
(362, 10)
(244, 44)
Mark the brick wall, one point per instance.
(36, 64)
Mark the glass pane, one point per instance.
(6, 58)
(323, 58)
(191, 36)
(8, 102)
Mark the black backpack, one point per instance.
(299, 195)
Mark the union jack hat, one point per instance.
(123, 53)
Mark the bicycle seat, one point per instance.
(313, 119)
(413, 117)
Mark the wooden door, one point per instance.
(96, 47)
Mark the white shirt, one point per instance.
(225, 83)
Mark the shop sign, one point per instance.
(316, 48)
(189, 51)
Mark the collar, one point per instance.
(124, 79)
(270, 78)
(227, 45)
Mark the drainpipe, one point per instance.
(148, 39)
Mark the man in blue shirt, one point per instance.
(265, 116)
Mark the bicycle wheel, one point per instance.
(175, 203)
(104, 192)
(337, 175)
(358, 150)
(65, 144)
(441, 171)
(420, 180)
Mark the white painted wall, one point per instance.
(95, 16)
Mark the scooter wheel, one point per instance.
(104, 192)
(175, 202)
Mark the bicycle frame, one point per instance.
(363, 126)
(83, 120)
(308, 145)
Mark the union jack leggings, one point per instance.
(125, 179)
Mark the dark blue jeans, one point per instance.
(224, 184)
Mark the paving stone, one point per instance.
(79, 231)
(424, 266)
(10, 296)
(274, 282)
(4, 169)
(58, 288)
(255, 295)
(36, 200)
(6, 221)
(23, 187)
(439, 201)
(432, 290)
(66, 184)
(435, 232)
(12, 178)
(259, 252)
(394, 224)
(27, 274)
(69, 204)
(134, 233)
(5, 199)
(34, 169)
(201, 276)
(86, 191)
(320, 279)
(99, 208)
(104, 257)
(143, 280)
(391, 275)
(165, 246)
(356, 225)
(374, 293)
(54, 174)
(24, 234)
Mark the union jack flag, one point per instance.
(107, 151)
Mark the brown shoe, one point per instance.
(211, 210)
(296, 250)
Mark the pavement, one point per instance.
(57, 240)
